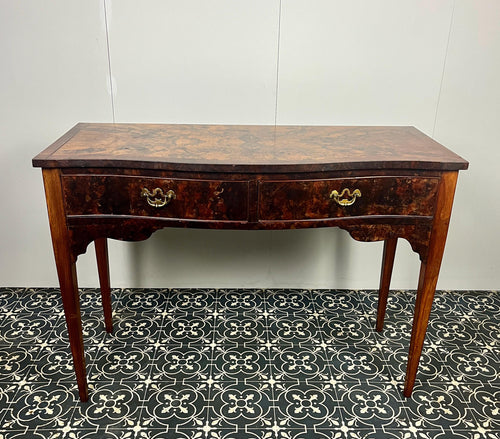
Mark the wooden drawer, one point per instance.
(156, 197)
(313, 199)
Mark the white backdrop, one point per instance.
(433, 64)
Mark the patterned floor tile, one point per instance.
(249, 363)
(174, 363)
(144, 301)
(235, 330)
(40, 405)
(93, 330)
(111, 406)
(186, 330)
(118, 362)
(240, 364)
(336, 302)
(453, 330)
(40, 301)
(54, 363)
(371, 405)
(288, 301)
(242, 301)
(433, 406)
(431, 366)
(358, 363)
(174, 405)
(15, 362)
(31, 330)
(243, 406)
(484, 401)
(299, 363)
(192, 301)
(309, 405)
(339, 330)
(137, 328)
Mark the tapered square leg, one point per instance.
(66, 271)
(429, 272)
(101, 252)
(385, 279)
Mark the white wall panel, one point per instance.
(53, 74)
(361, 62)
(432, 64)
(468, 121)
(194, 61)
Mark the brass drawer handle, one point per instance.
(345, 201)
(153, 200)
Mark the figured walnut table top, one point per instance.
(247, 148)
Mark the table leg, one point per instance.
(385, 279)
(66, 271)
(429, 271)
(101, 252)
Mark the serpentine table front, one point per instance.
(124, 181)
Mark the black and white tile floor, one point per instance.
(259, 364)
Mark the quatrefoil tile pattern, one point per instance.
(249, 364)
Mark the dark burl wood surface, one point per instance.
(121, 195)
(310, 199)
(250, 148)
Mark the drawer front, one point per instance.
(156, 197)
(316, 199)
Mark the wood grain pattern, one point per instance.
(66, 271)
(385, 280)
(251, 148)
(429, 272)
(310, 199)
(121, 195)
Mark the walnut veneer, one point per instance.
(124, 181)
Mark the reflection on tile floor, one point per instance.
(260, 364)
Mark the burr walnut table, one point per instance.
(124, 181)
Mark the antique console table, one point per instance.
(124, 181)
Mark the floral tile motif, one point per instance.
(437, 406)
(431, 365)
(454, 330)
(240, 364)
(371, 405)
(243, 406)
(117, 362)
(110, 406)
(249, 364)
(92, 327)
(294, 331)
(54, 363)
(346, 330)
(40, 405)
(336, 302)
(143, 301)
(471, 365)
(288, 301)
(308, 405)
(137, 328)
(242, 301)
(358, 363)
(26, 329)
(484, 400)
(179, 406)
(304, 363)
(192, 301)
(15, 362)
